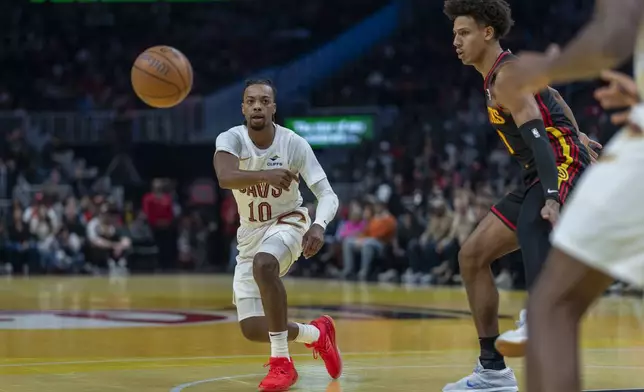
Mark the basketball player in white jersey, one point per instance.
(600, 234)
(261, 162)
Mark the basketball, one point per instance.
(162, 77)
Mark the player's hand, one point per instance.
(550, 211)
(280, 178)
(591, 146)
(313, 241)
(620, 92)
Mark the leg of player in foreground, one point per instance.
(565, 290)
(490, 240)
(592, 245)
(596, 241)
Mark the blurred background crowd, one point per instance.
(92, 181)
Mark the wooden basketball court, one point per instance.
(178, 333)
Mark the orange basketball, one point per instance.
(162, 76)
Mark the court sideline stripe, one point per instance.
(366, 353)
(181, 387)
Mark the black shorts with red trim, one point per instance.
(510, 207)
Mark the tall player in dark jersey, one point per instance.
(540, 132)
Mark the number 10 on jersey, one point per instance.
(264, 212)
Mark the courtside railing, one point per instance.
(171, 126)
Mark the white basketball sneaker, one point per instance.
(485, 380)
(513, 343)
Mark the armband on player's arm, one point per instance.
(534, 133)
(525, 111)
(327, 203)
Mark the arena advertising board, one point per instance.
(332, 131)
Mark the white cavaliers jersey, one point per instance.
(262, 204)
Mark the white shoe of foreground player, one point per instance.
(485, 380)
(513, 343)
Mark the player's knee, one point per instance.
(471, 258)
(265, 266)
(252, 331)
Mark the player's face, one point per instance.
(470, 39)
(258, 106)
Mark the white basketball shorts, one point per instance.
(283, 239)
(602, 223)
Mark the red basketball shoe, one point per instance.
(327, 347)
(281, 375)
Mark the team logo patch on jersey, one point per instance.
(98, 319)
(273, 161)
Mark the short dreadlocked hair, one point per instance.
(265, 82)
(494, 13)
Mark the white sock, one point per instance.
(279, 344)
(308, 333)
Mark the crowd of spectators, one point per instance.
(95, 234)
(59, 216)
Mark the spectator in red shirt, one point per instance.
(159, 210)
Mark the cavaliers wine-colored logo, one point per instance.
(97, 319)
(137, 318)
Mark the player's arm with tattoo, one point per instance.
(526, 114)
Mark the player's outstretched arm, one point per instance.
(605, 42)
(230, 176)
(527, 116)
